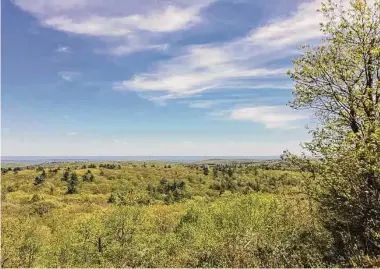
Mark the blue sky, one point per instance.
(184, 77)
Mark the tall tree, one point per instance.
(339, 81)
(72, 184)
(206, 170)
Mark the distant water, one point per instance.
(45, 159)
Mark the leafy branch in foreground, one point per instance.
(340, 82)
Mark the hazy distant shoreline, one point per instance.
(48, 159)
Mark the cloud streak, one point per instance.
(169, 20)
(125, 26)
(63, 49)
(68, 75)
(269, 116)
(243, 63)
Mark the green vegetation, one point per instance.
(152, 216)
(322, 211)
(340, 82)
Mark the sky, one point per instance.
(148, 77)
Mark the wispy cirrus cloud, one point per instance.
(125, 26)
(63, 49)
(168, 20)
(248, 62)
(269, 116)
(68, 75)
(133, 45)
(301, 26)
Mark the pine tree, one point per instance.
(205, 170)
(72, 184)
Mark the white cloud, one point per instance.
(169, 20)
(126, 26)
(68, 75)
(270, 116)
(182, 77)
(63, 49)
(303, 25)
(244, 63)
(43, 7)
(71, 133)
(134, 46)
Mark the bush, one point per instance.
(42, 208)
(89, 177)
(39, 180)
(10, 189)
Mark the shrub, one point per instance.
(39, 180)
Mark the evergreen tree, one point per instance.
(72, 184)
(206, 170)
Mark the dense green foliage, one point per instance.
(340, 82)
(149, 215)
